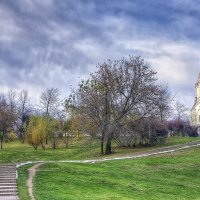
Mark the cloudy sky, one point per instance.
(55, 43)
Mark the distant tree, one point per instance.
(181, 111)
(36, 131)
(23, 112)
(63, 126)
(4, 118)
(163, 103)
(144, 132)
(11, 100)
(192, 131)
(49, 101)
(76, 126)
(178, 125)
(66, 132)
(12, 106)
(55, 132)
(181, 128)
(7, 115)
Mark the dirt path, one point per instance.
(32, 172)
(154, 152)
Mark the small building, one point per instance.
(195, 112)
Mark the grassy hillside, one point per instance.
(173, 176)
(16, 152)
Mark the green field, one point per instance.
(16, 152)
(170, 176)
(21, 182)
(173, 176)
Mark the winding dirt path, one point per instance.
(32, 172)
(158, 151)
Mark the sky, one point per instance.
(56, 43)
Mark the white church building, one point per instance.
(195, 112)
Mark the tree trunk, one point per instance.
(2, 137)
(2, 142)
(35, 146)
(67, 142)
(22, 137)
(102, 142)
(46, 140)
(54, 143)
(47, 133)
(108, 147)
(43, 147)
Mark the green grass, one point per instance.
(173, 176)
(21, 182)
(16, 152)
(179, 140)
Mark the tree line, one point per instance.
(122, 103)
(18, 118)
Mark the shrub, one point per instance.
(11, 136)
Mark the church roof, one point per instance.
(198, 80)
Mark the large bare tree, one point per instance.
(118, 91)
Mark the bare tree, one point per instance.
(117, 91)
(181, 111)
(49, 101)
(3, 118)
(23, 113)
(7, 115)
(163, 103)
(12, 105)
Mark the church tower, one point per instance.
(197, 88)
(195, 112)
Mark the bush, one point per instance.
(11, 136)
(159, 137)
(191, 131)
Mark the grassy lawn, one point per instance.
(21, 182)
(16, 152)
(173, 176)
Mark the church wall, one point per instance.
(195, 112)
(198, 115)
(198, 91)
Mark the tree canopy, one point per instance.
(120, 90)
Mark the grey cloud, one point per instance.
(54, 44)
